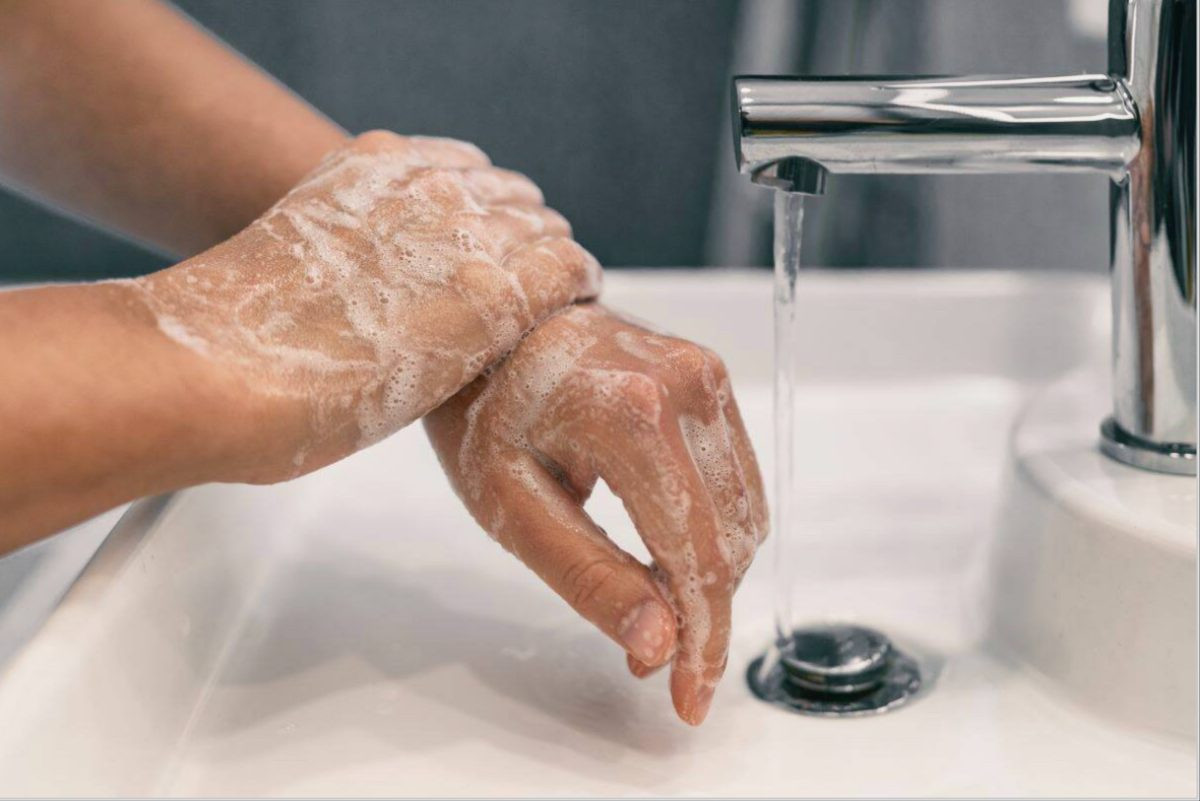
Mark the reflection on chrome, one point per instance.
(1136, 124)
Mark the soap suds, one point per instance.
(385, 276)
(556, 401)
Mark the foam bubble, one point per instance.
(538, 392)
(350, 280)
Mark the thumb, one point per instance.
(545, 527)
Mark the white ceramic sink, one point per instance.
(353, 633)
(1094, 567)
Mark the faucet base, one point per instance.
(1175, 458)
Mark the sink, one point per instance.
(1095, 569)
(353, 633)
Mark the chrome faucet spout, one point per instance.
(938, 125)
(1136, 124)
(792, 174)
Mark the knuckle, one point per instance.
(559, 270)
(523, 183)
(714, 363)
(565, 250)
(643, 392)
(687, 367)
(435, 178)
(698, 372)
(444, 147)
(489, 185)
(586, 581)
(568, 255)
(554, 221)
(516, 219)
(469, 148)
(584, 269)
(376, 140)
(689, 359)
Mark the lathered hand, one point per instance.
(377, 288)
(590, 395)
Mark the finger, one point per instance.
(529, 284)
(553, 273)
(396, 157)
(444, 152)
(503, 229)
(544, 526)
(535, 222)
(686, 546)
(701, 376)
(744, 452)
(639, 668)
(496, 186)
(637, 448)
(710, 441)
(420, 151)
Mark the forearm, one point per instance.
(126, 113)
(370, 293)
(100, 408)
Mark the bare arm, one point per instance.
(101, 408)
(126, 113)
(369, 294)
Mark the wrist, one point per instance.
(221, 426)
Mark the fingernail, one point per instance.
(704, 697)
(644, 631)
(639, 669)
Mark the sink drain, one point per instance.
(835, 671)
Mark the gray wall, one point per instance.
(618, 109)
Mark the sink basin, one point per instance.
(1094, 580)
(353, 633)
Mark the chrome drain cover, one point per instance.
(835, 671)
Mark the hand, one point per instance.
(589, 395)
(377, 288)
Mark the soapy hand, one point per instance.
(377, 288)
(590, 395)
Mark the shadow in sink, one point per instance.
(415, 659)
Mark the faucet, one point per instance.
(1136, 124)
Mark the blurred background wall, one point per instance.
(619, 110)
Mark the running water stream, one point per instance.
(789, 219)
(822, 667)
